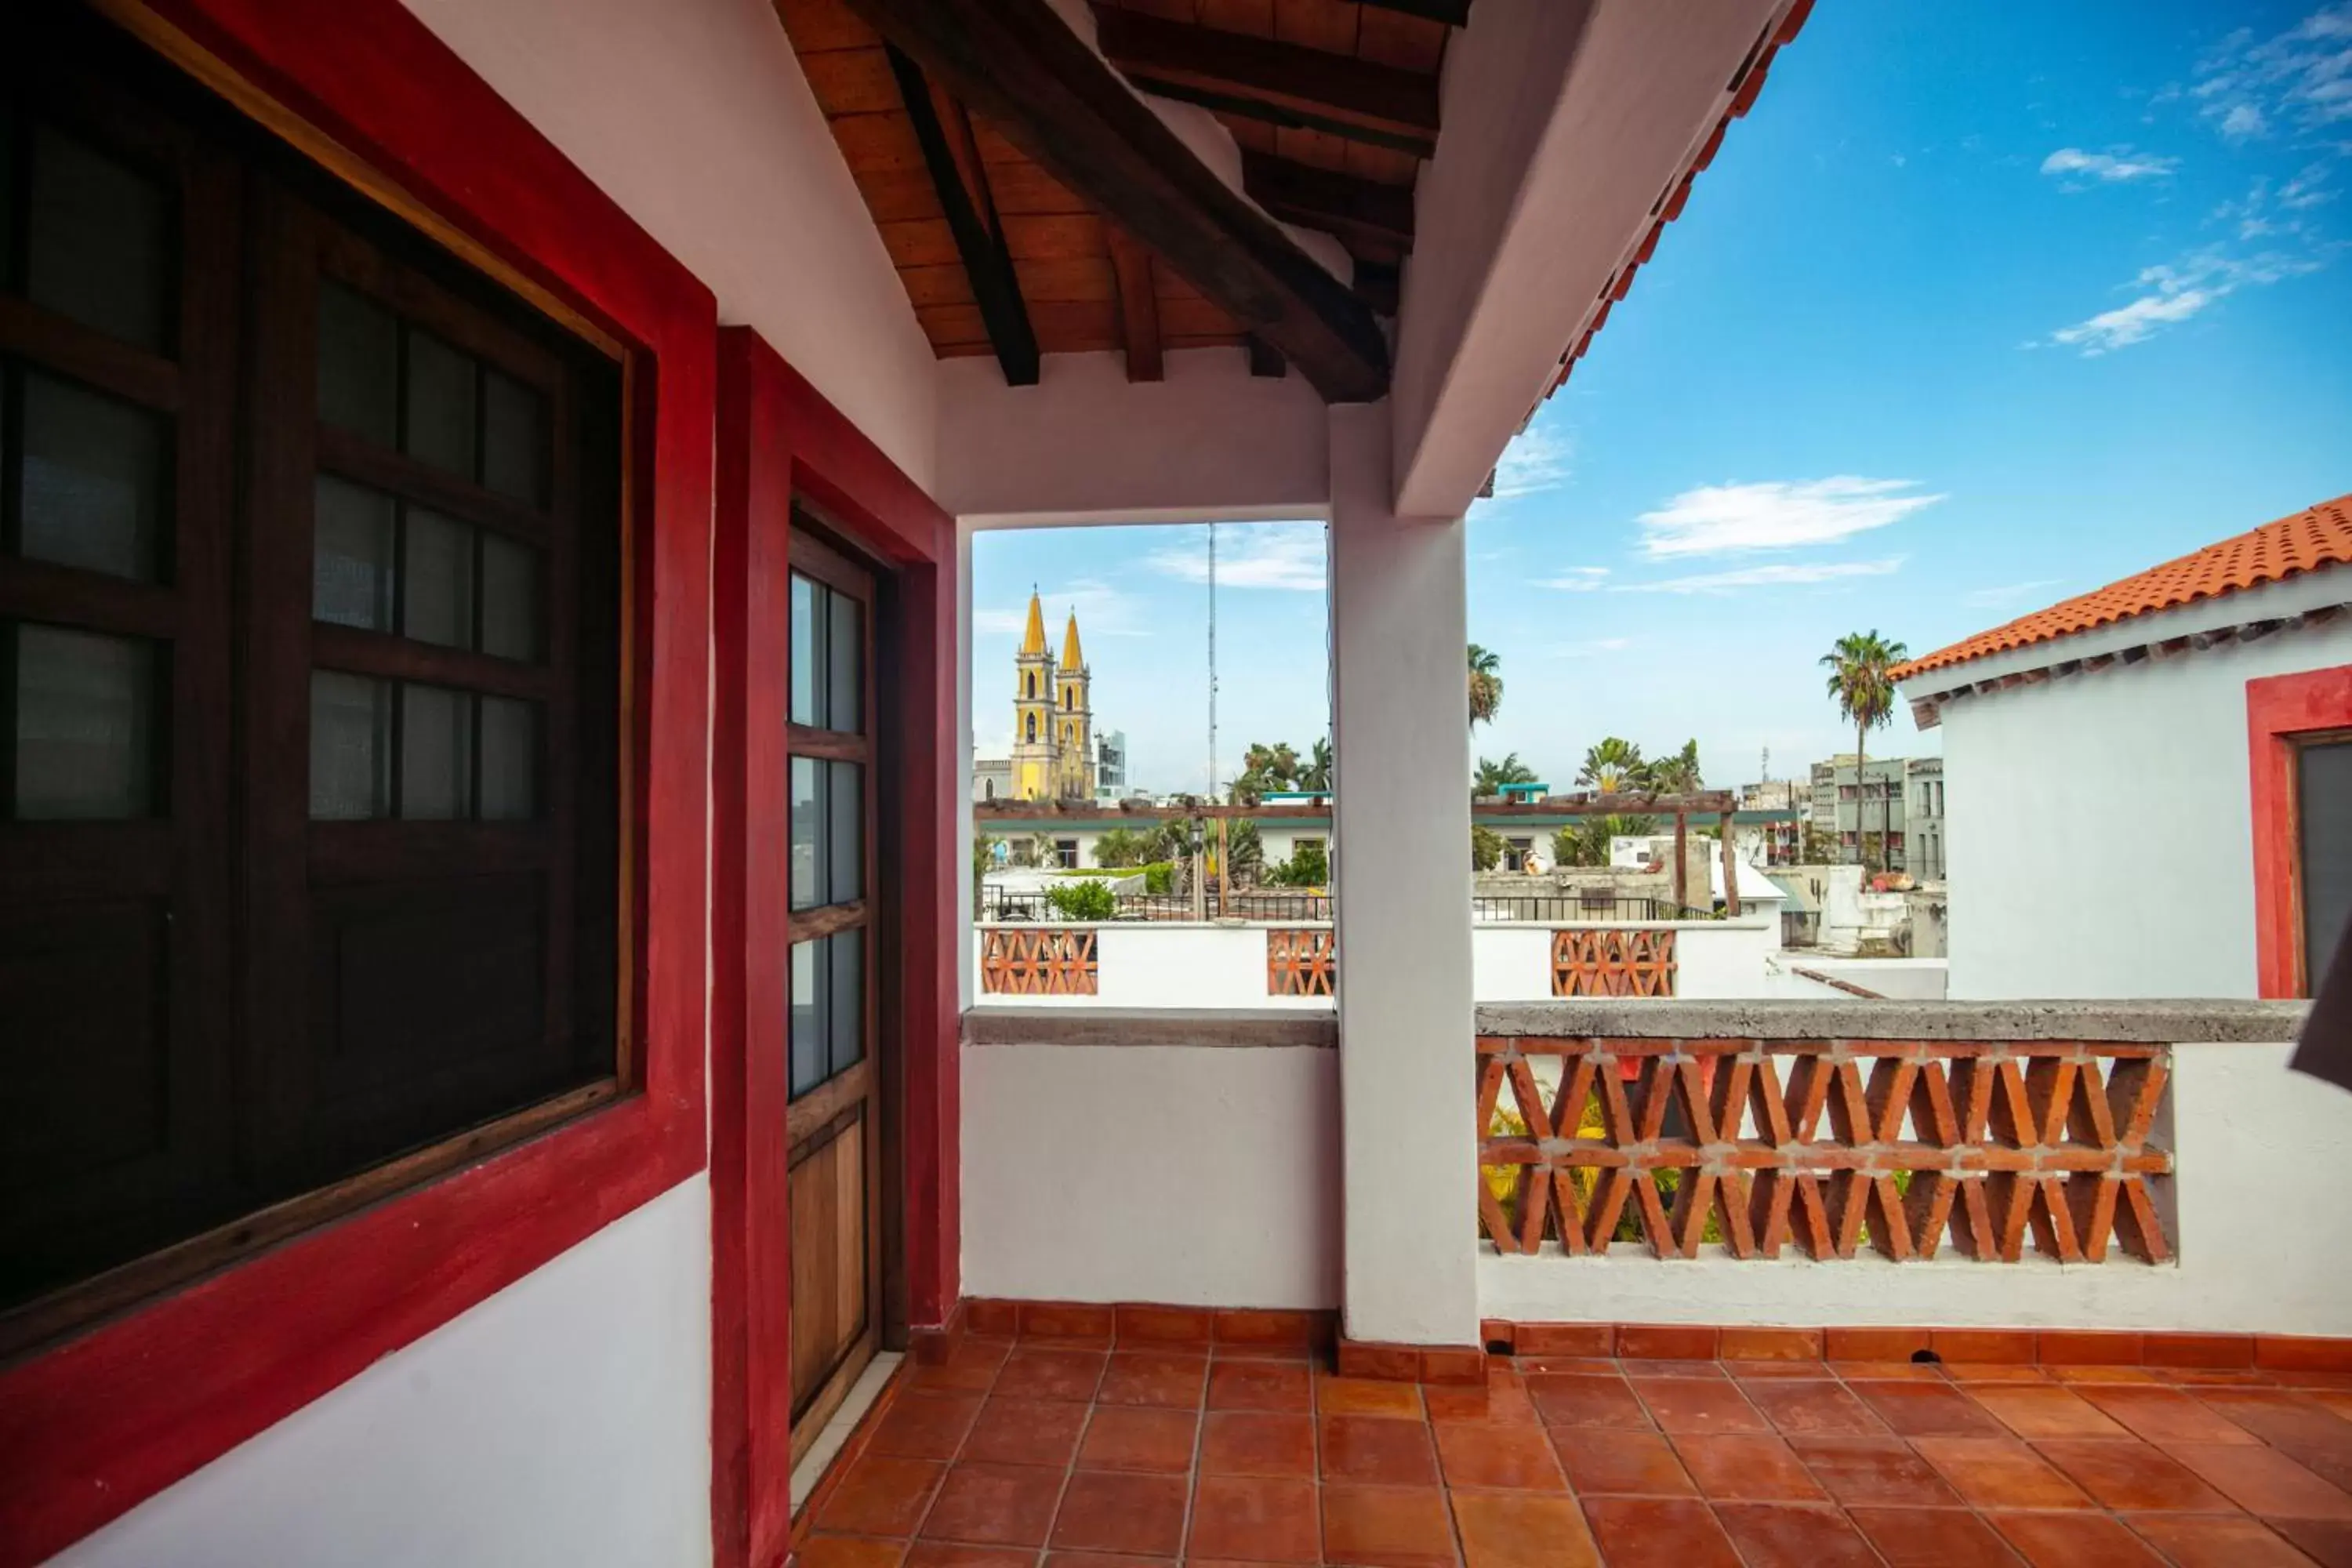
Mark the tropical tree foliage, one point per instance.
(1485, 685)
(1486, 847)
(1612, 765)
(1861, 682)
(1264, 769)
(1677, 773)
(1493, 775)
(1125, 846)
(1317, 774)
(1308, 866)
(1585, 841)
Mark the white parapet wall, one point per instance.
(1185, 1158)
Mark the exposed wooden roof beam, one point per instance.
(1138, 305)
(1265, 78)
(1453, 12)
(1371, 220)
(1019, 65)
(1265, 360)
(953, 159)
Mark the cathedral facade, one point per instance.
(1053, 717)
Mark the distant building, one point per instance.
(1922, 817)
(1842, 816)
(1779, 842)
(1053, 717)
(991, 778)
(1110, 766)
(2156, 778)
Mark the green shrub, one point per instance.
(1084, 898)
(1160, 879)
(1486, 847)
(1308, 867)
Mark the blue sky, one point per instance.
(1981, 307)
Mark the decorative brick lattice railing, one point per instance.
(1600, 962)
(1300, 962)
(1827, 1145)
(1043, 961)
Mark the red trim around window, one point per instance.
(779, 438)
(2278, 709)
(91, 1429)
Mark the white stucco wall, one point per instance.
(1160, 964)
(1194, 1176)
(2100, 834)
(2245, 1132)
(564, 1421)
(695, 119)
(1713, 959)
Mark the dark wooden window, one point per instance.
(310, 685)
(2323, 777)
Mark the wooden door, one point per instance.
(833, 1121)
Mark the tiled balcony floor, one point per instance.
(1061, 1457)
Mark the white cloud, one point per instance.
(2301, 78)
(1536, 460)
(2121, 165)
(2174, 292)
(2243, 120)
(2006, 593)
(1716, 519)
(1285, 556)
(1103, 611)
(1778, 575)
(1576, 579)
(2132, 323)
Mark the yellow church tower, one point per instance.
(1034, 749)
(1074, 722)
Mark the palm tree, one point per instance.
(1859, 664)
(1317, 774)
(1677, 774)
(1485, 685)
(1493, 775)
(1613, 765)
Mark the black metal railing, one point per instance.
(1580, 909)
(998, 905)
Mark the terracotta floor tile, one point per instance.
(1034, 1371)
(1928, 1410)
(2167, 1414)
(1874, 1473)
(2045, 1410)
(845, 1551)
(926, 1426)
(1105, 1559)
(1805, 1369)
(1258, 1443)
(2073, 1541)
(1104, 1512)
(1889, 1371)
(1504, 1458)
(994, 1505)
(1515, 1530)
(1368, 1396)
(1658, 1532)
(1790, 1535)
(1170, 1378)
(1747, 1466)
(972, 1368)
(2263, 1480)
(1582, 1400)
(1684, 1404)
(1025, 1432)
(1659, 1366)
(2304, 1430)
(1255, 1518)
(1932, 1538)
(1999, 1472)
(946, 1554)
(1814, 1408)
(2200, 1541)
(1252, 1385)
(1994, 1372)
(2328, 1541)
(1373, 1450)
(1504, 1400)
(2079, 1375)
(1603, 1463)
(1139, 1437)
(1387, 1527)
(881, 1496)
(2132, 1476)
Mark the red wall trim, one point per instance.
(777, 438)
(2278, 708)
(95, 1427)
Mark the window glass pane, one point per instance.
(436, 736)
(805, 643)
(841, 664)
(85, 725)
(359, 363)
(350, 563)
(440, 404)
(513, 437)
(509, 598)
(846, 1004)
(94, 480)
(808, 780)
(2323, 813)
(351, 746)
(437, 579)
(100, 249)
(509, 760)
(846, 810)
(808, 1017)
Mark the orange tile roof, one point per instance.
(2317, 536)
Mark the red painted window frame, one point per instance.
(2278, 709)
(779, 438)
(94, 1426)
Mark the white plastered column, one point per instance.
(1401, 830)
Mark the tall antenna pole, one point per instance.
(1213, 661)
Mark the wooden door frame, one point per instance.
(2281, 711)
(778, 441)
